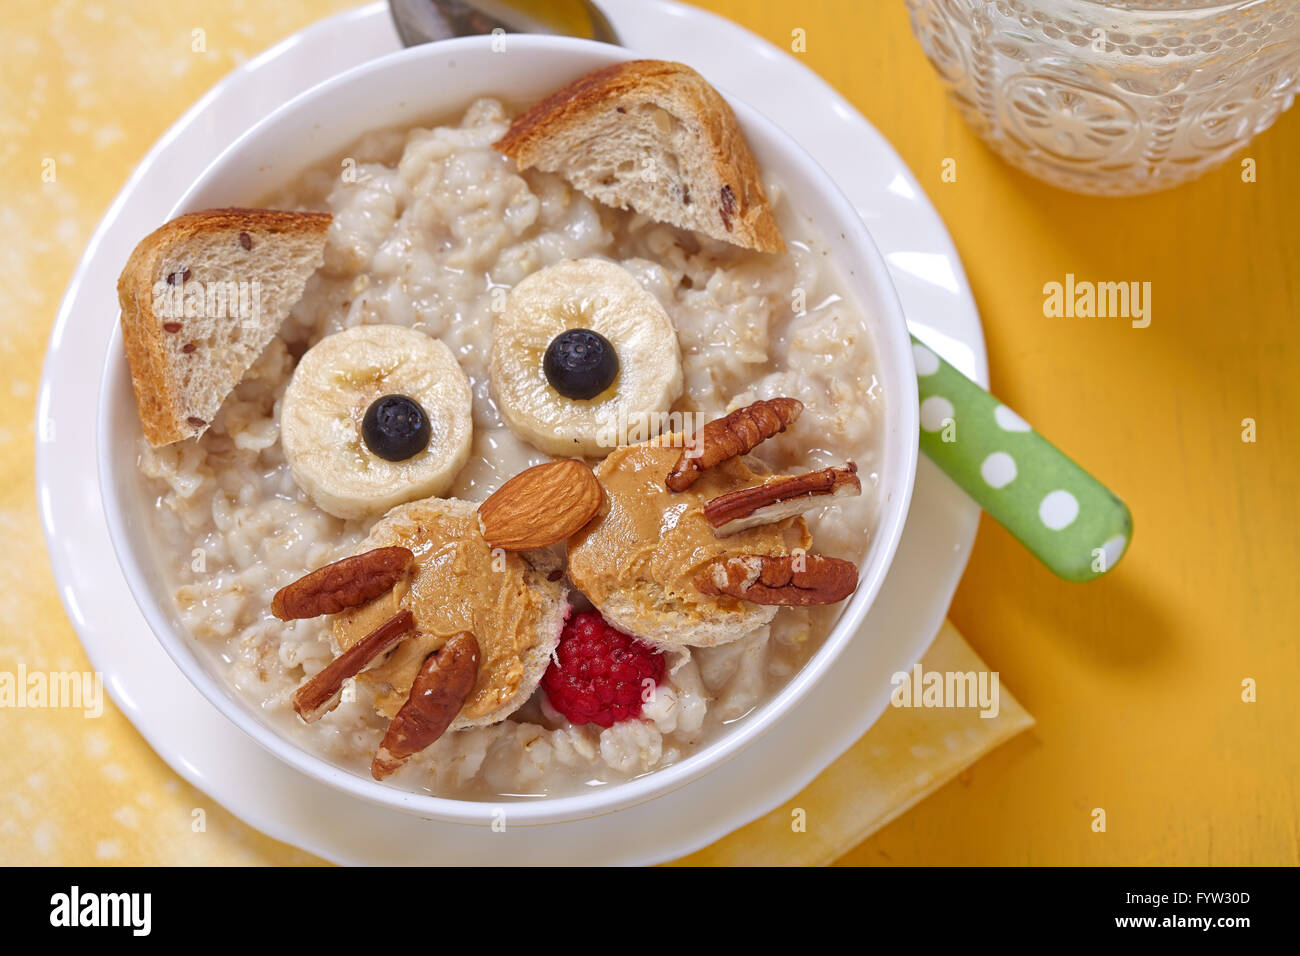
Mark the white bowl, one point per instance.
(436, 81)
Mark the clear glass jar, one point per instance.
(1115, 97)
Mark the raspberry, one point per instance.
(598, 672)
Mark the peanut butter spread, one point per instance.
(650, 541)
(456, 584)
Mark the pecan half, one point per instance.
(780, 498)
(444, 683)
(343, 584)
(318, 696)
(798, 580)
(733, 435)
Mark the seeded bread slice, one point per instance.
(201, 297)
(655, 137)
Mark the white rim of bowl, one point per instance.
(901, 417)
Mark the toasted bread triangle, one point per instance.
(201, 298)
(655, 137)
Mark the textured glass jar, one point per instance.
(1115, 97)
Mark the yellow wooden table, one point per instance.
(1136, 680)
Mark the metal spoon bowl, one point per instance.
(424, 21)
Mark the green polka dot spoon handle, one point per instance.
(1067, 518)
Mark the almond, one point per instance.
(540, 506)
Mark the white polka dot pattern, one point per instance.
(998, 470)
(1059, 509)
(1067, 518)
(1009, 421)
(935, 410)
(927, 363)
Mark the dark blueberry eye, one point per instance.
(580, 363)
(395, 428)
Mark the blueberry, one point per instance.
(396, 428)
(580, 363)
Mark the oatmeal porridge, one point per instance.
(432, 229)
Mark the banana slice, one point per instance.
(603, 297)
(326, 401)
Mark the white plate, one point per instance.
(216, 757)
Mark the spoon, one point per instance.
(1065, 517)
(423, 21)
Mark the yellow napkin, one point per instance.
(75, 790)
(907, 754)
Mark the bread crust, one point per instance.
(662, 81)
(157, 392)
